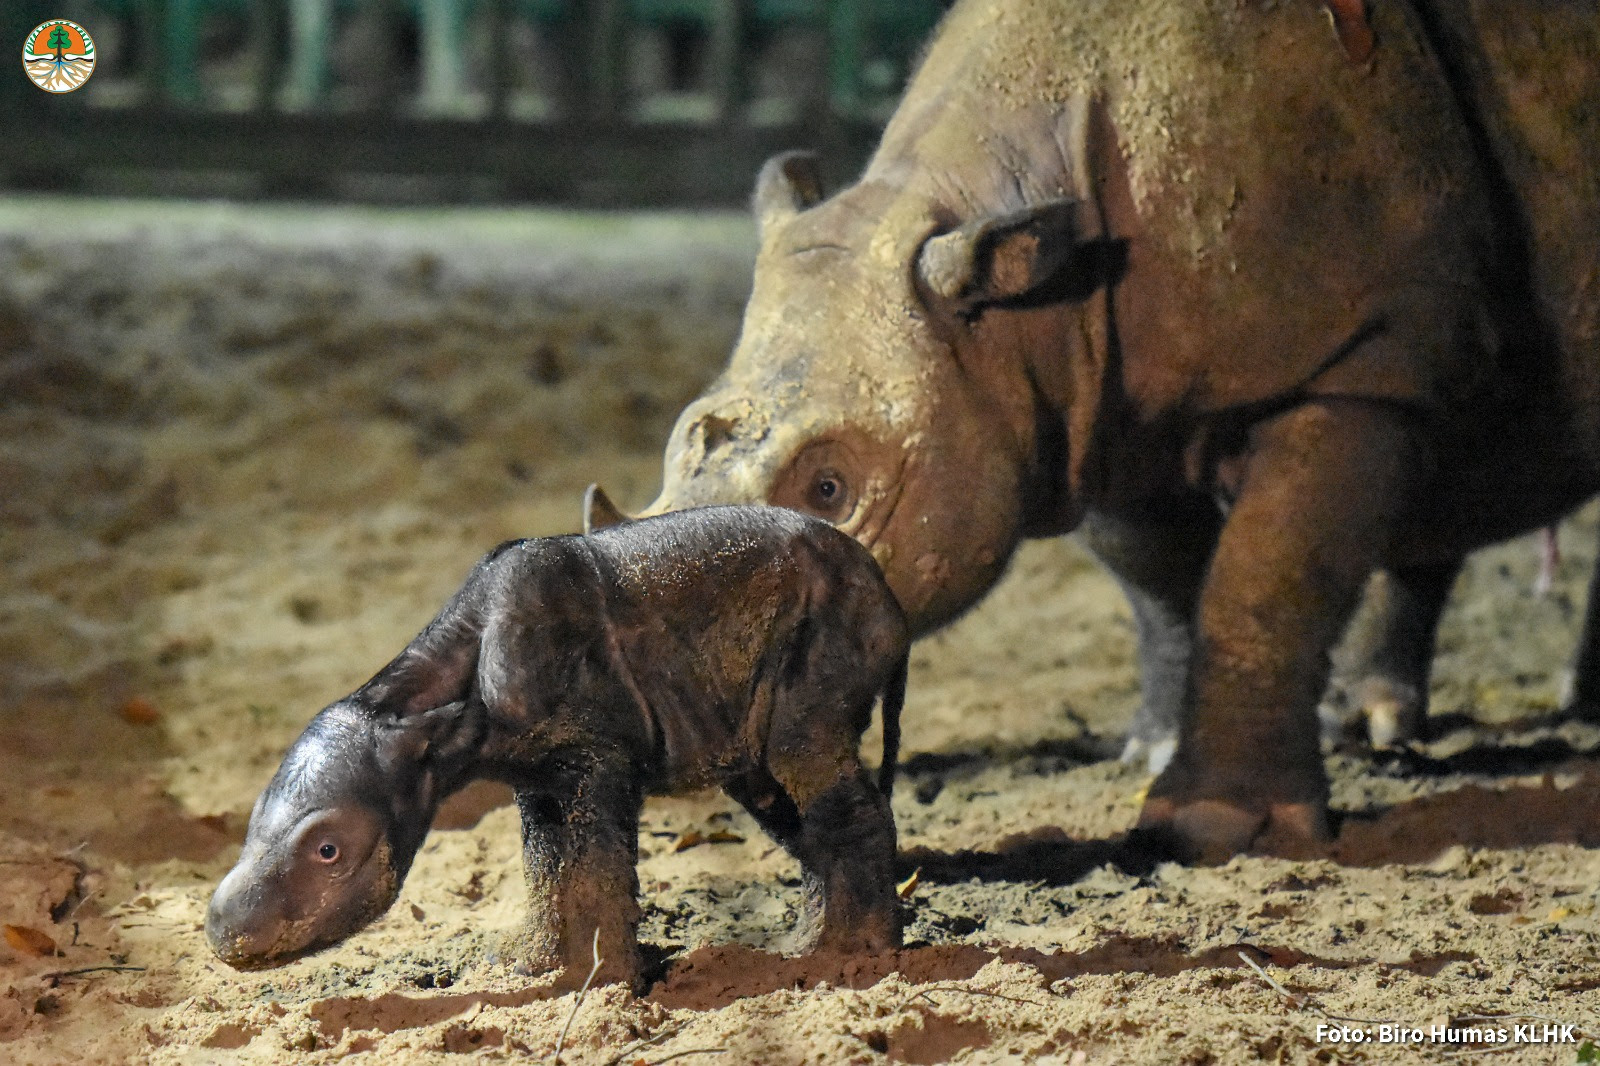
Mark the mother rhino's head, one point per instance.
(852, 393)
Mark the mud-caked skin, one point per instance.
(1262, 307)
(737, 646)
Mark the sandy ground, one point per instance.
(244, 455)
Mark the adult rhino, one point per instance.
(1261, 308)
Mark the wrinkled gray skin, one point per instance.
(1259, 318)
(737, 646)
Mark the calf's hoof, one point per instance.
(1210, 831)
(572, 977)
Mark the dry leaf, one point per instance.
(416, 912)
(29, 941)
(694, 838)
(909, 885)
(1560, 913)
(140, 711)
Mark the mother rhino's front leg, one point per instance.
(1159, 560)
(1315, 497)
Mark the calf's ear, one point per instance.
(406, 740)
(788, 184)
(1002, 257)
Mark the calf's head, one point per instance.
(332, 837)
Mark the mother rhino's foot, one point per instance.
(525, 951)
(1239, 800)
(1209, 831)
(1386, 657)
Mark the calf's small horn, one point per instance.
(599, 512)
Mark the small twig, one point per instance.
(59, 974)
(85, 898)
(922, 993)
(561, 1041)
(1305, 1002)
(640, 1045)
(691, 1051)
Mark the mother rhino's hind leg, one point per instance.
(1581, 698)
(1314, 512)
(1382, 670)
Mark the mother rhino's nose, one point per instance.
(714, 430)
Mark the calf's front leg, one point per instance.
(580, 849)
(1314, 507)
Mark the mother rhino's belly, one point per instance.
(1523, 482)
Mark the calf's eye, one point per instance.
(328, 852)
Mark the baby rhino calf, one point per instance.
(741, 646)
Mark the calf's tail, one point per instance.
(894, 701)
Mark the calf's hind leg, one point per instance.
(832, 818)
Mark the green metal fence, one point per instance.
(584, 101)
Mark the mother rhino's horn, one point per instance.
(1001, 257)
(599, 512)
(789, 183)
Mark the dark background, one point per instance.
(585, 102)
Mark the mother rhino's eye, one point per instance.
(828, 493)
(821, 479)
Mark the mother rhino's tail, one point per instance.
(894, 701)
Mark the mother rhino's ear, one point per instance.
(1003, 257)
(788, 184)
